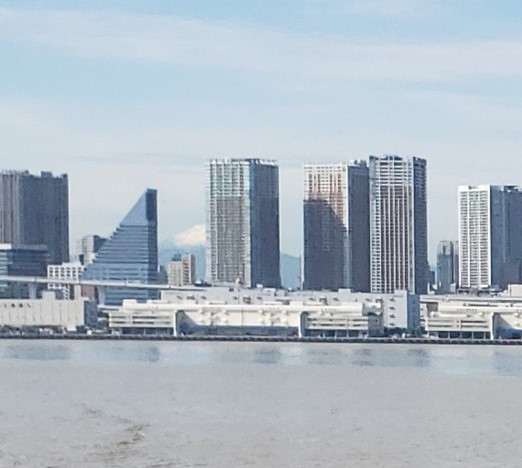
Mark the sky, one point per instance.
(128, 94)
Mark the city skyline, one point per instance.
(195, 235)
(160, 87)
(278, 233)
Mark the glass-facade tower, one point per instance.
(130, 254)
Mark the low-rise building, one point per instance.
(65, 271)
(467, 316)
(285, 319)
(266, 311)
(48, 312)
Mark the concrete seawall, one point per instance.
(263, 339)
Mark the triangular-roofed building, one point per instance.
(131, 253)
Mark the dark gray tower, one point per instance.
(447, 266)
(243, 222)
(34, 210)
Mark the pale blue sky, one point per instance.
(125, 95)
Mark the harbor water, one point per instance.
(188, 404)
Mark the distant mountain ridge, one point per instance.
(290, 265)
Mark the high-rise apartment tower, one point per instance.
(398, 224)
(34, 210)
(490, 236)
(336, 226)
(243, 222)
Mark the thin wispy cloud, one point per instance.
(387, 8)
(198, 43)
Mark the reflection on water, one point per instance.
(38, 353)
(420, 357)
(122, 352)
(506, 363)
(465, 360)
(265, 355)
(363, 357)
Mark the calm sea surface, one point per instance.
(128, 404)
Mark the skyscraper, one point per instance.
(398, 224)
(336, 226)
(447, 266)
(490, 236)
(34, 210)
(243, 222)
(131, 253)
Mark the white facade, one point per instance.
(398, 312)
(490, 236)
(398, 224)
(66, 271)
(182, 272)
(475, 236)
(48, 312)
(471, 316)
(299, 318)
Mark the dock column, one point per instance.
(101, 295)
(303, 316)
(33, 290)
(175, 323)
